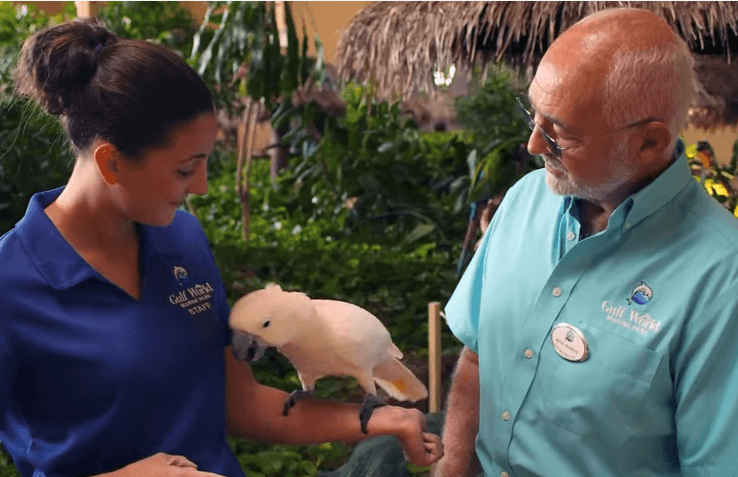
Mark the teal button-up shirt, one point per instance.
(655, 296)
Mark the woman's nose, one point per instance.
(199, 183)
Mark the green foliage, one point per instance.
(259, 460)
(373, 171)
(17, 22)
(489, 112)
(34, 154)
(7, 469)
(168, 23)
(243, 56)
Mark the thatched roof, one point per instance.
(398, 45)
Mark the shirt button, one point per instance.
(506, 416)
(570, 236)
(528, 353)
(556, 292)
(504, 474)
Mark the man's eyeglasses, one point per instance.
(553, 147)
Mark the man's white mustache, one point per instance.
(553, 162)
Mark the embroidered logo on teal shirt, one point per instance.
(641, 294)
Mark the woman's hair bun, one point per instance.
(57, 63)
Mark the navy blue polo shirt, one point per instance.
(92, 379)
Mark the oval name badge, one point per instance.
(569, 342)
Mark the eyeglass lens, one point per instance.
(526, 108)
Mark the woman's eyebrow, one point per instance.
(201, 155)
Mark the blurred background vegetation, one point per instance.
(366, 207)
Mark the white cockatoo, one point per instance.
(323, 338)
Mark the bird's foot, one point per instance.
(296, 395)
(371, 402)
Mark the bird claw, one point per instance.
(367, 409)
(293, 398)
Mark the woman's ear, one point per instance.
(107, 159)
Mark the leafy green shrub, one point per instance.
(490, 114)
(168, 23)
(7, 469)
(259, 460)
(34, 154)
(16, 23)
(374, 171)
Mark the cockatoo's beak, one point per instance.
(247, 347)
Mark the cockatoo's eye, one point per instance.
(266, 324)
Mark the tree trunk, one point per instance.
(278, 154)
(245, 136)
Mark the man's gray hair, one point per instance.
(653, 83)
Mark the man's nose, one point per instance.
(537, 143)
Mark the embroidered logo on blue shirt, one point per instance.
(195, 299)
(641, 294)
(180, 273)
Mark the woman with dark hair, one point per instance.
(114, 341)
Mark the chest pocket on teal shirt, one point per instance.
(605, 393)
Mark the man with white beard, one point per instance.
(600, 314)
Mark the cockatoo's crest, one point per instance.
(271, 314)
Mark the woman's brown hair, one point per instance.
(131, 93)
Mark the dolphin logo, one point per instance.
(180, 273)
(641, 294)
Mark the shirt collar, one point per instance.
(56, 260)
(663, 189)
(649, 199)
(54, 257)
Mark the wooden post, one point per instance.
(84, 9)
(434, 357)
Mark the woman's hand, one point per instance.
(161, 465)
(409, 426)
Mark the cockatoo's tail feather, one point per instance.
(399, 382)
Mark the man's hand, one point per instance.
(409, 426)
(161, 465)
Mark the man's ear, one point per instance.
(653, 142)
(107, 160)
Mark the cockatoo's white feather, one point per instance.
(327, 338)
